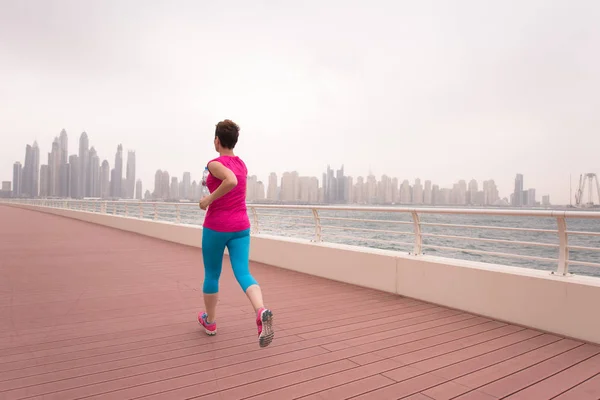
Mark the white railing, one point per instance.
(547, 242)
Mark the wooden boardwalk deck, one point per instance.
(91, 312)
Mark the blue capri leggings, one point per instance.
(213, 248)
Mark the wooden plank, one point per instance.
(530, 376)
(561, 382)
(588, 390)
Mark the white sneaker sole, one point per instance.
(266, 336)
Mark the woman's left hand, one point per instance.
(205, 202)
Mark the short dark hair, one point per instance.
(228, 132)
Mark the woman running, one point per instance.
(226, 224)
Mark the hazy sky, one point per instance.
(440, 90)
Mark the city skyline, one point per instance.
(79, 175)
(419, 91)
(83, 175)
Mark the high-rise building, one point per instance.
(371, 189)
(546, 200)
(517, 199)
(27, 184)
(194, 191)
(174, 188)
(461, 198)
(44, 181)
(261, 193)
(63, 141)
(54, 170)
(472, 192)
(308, 189)
(360, 191)
(64, 180)
(17, 182)
(272, 188)
(186, 186)
(94, 174)
(385, 193)
(427, 194)
(329, 186)
(165, 185)
(436, 195)
(75, 179)
(138, 189)
(158, 184)
(84, 165)
(35, 170)
(130, 175)
(251, 181)
(105, 180)
(418, 196)
(340, 196)
(405, 193)
(395, 191)
(529, 194)
(31, 173)
(349, 189)
(117, 181)
(290, 187)
(491, 195)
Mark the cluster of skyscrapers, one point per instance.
(82, 175)
(525, 198)
(171, 188)
(337, 188)
(75, 176)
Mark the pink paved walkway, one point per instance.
(91, 312)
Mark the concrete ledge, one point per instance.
(533, 298)
(359, 266)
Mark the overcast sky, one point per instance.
(440, 90)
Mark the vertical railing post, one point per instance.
(318, 233)
(563, 247)
(418, 247)
(127, 210)
(177, 213)
(141, 211)
(155, 212)
(255, 228)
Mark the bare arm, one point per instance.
(228, 178)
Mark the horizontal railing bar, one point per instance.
(366, 220)
(279, 233)
(285, 215)
(404, 210)
(506, 241)
(370, 240)
(491, 253)
(583, 233)
(584, 248)
(302, 224)
(366, 230)
(584, 263)
(499, 228)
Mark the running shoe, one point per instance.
(264, 323)
(210, 329)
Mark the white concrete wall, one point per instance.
(561, 305)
